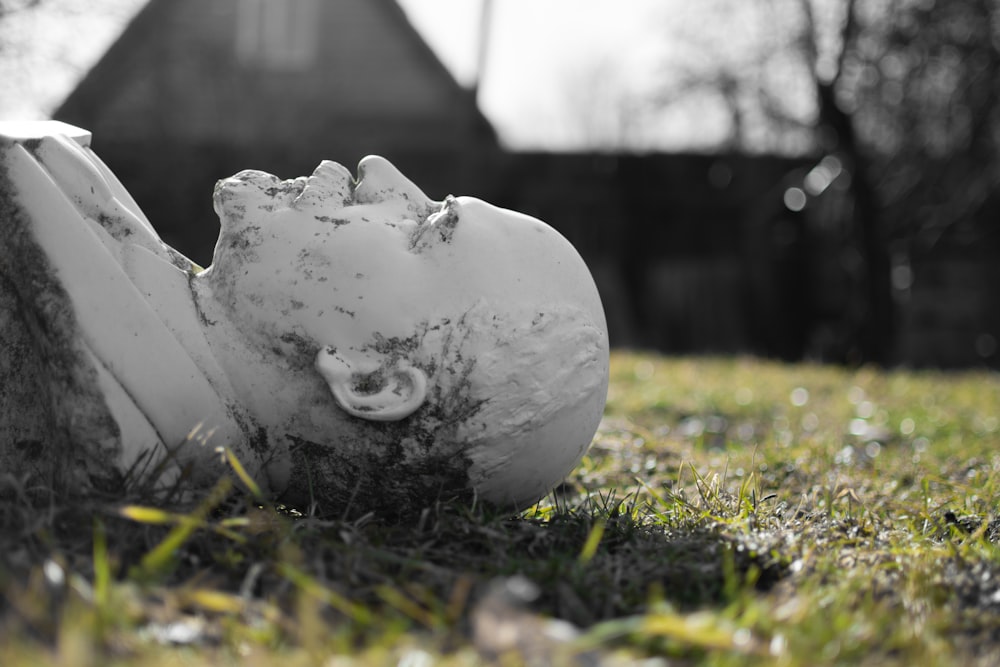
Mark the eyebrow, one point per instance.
(438, 227)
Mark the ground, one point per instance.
(730, 511)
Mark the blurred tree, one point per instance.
(603, 109)
(872, 319)
(913, 107)
(744, 60)
(46, 46)
(903, 93)
(921, 83)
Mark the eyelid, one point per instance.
(438, 227)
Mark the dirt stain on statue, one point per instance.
(38, 330)
(378, 476)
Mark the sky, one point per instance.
(558, 74)
(546, 60)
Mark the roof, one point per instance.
(182, 70)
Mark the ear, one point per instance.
(386, 390)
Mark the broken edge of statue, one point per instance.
(353, 341)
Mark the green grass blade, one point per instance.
(161, 559)
(243, 475)
(592, 542)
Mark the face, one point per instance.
(483, 302)
(316, 256)
(340, 261)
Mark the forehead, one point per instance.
(384, 228)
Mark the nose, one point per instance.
(379, 181)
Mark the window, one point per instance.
(277, 34)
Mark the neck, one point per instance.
(269, 374)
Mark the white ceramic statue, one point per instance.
(352, 342)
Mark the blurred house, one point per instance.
(724, 253)
(196, 90)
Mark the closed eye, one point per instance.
(438, 227)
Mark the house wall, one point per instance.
(699, 254)
(673, 243)
(950, 312)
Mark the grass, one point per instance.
(730, 512)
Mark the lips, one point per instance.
(329, 186)
(252, 187)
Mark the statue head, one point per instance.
(354, 342)
(428, 347)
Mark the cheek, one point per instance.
(323, 280)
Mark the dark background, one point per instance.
(877, 242)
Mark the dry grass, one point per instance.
(730, 512)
